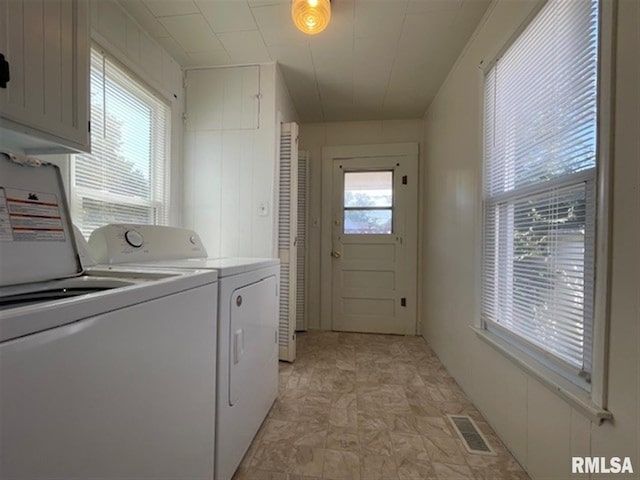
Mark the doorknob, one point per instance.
(336, 254)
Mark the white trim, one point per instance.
(275, 199)
(601, 290)
(566, 180)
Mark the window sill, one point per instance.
(576, 397)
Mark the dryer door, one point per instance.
(253, 342)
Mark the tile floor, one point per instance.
(368, 407)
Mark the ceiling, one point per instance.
(377, 59)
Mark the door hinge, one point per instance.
(89, 126)
(403, 302)
(276, 337)
(184, 118)
(404, 179)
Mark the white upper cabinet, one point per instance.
(223, 98)
(44, 107)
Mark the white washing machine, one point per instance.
(247, 324)
(103, 374)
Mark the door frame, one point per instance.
(345, 153)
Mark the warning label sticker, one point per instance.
(31, 216)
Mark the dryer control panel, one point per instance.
(130, 243)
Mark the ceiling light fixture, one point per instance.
(311, 16)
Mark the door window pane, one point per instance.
(368, 189)
(367, 221)
(368, 203)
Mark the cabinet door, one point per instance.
(46, 43)
(223, 98)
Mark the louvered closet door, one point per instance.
(303, 162)
(287, 233)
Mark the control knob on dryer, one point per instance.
(133, 238)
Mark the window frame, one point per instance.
(160, 211)
(538, 363)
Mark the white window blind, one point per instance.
(539, 188)
(125, 178)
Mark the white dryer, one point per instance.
(103, 374)
(248, 306)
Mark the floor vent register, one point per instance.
(470, 435)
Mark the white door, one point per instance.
(287, 239)
(374, 239)
(251, 336)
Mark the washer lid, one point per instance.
(36, 234)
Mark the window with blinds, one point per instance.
(539, 187)
(125, 178)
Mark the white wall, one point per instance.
(122, 37)
(539, 427)
(231, 163)
(314, 136)
(284, 103)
